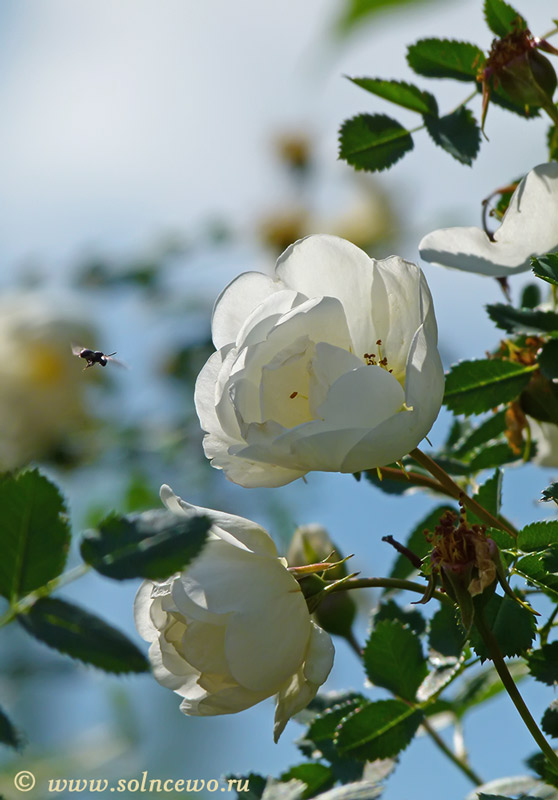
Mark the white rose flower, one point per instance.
(41, 385)
(234, 627)
(332, 364)
(529, 228)
(545, 434)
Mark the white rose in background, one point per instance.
(332, 364)
(234, 627)
(545, 434)
(529, 228)
(41, 385)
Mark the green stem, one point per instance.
(463, 766)
(388, 583)
(455, 491)
(464, 102)
(509, 684)
(23, 605)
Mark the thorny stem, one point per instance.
(455, 491)
(509, 684)
(388, 583)
(25, 604)
(462, 765)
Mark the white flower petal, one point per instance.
(529, 228)
(235, 530)
(236, 302)
(339, 269)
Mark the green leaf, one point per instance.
(154, 544)
(512, 625)
(547, 771)
(355, 12)
(550, 493)
(373, 142)
(324, 725)
(82, 635)
(447, 636)
(458, 133)
(489, 495)
(530, 296)
(546, 268)
(533, 569)
(552, 143)
(35, 535)
(501, 18)
(473, 387)
(445, 58)
(417, 542)
(403, 94)
(494, 455)
(543, 664)
(379, 730)
(488, 430)
(9, 735)
(537, 536)
(522, 320)
(317, 777)
(389, 610)
(484, 685)
(438, 679)
(549, 722)
(548, 359)
(393, 659)
(255, 783)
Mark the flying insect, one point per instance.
(94, 356)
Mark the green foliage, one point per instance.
(534, 570)
(393, 659)
(550, 493)
(546, 268)
(484, 685)
(402, 94)
(417, 542)
(82, 635)
(501, 18)
(389, 610)
(489, 496)
(458, 133)
(548, 359)
(355, 12)
(522, 320)
(537, 536)
(512, 625)
(446, 635)
(552, 142)
(373, 142)
(543, 664)
(549, 722)
(490, 429)
(317, 777)
(9, 735)
(445, 58)
(154, 544)
(548, 772)
(530, 296)
(473, 387)
(495, 455)
(35, 534)
(378, 730)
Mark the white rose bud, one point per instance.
(332, 364)
(234, 627)
(529, 228)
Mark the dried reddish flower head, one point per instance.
(516, 65)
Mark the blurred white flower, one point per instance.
(545, 434)
(330, 365)
(41, 385)
(529, 228)
(234, 627)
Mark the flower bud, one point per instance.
(335, 612)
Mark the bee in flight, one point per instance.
(95, 356)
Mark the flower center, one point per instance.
(377, 360)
